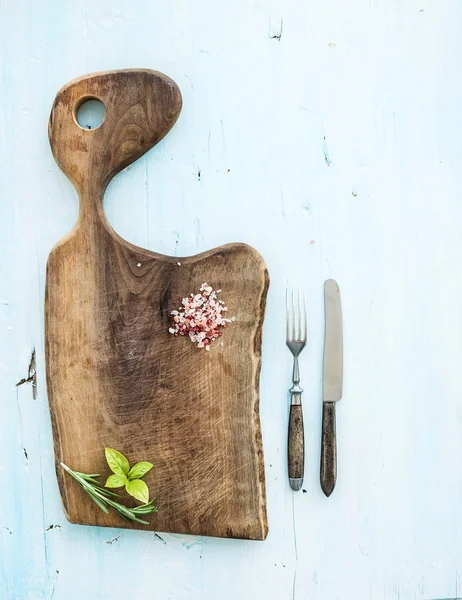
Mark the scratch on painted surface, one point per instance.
(114, 539)
(31, 375)
(53, 589)
(189, 81)
(176, 233)
(327, 158)
(42, 493)
(157, 536)
(283, 209)
(192, 544)
(277, 36)
(197, 232)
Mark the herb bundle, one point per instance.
(123, 476)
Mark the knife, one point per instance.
(332, 384)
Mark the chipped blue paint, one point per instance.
(328, 135)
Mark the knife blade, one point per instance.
(332, 384)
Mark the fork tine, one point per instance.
(295, 336)
(294, 317)
(299, 311)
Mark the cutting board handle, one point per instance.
(141, 107)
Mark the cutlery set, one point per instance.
(331, 389)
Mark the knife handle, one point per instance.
(328, 449)
(296, 446)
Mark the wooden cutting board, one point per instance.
(116, 377)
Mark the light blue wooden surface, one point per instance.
(334, 150)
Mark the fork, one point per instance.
(296, 341)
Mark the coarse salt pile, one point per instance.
(201, 316)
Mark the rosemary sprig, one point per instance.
(104, 498)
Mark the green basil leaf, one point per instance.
(117, 462)
(139, 490)
(139, 470)
(116, 481)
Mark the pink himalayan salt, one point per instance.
(201, 316)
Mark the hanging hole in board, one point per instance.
(90, 114)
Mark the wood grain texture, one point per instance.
(296, 447)
(328, 470)
(115, 375)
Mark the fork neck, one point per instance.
(296, 378)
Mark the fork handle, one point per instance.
(296, 445)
